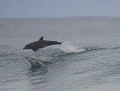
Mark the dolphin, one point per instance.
(40, 44)
(36, 62)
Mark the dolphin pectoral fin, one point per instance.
(41, 38)
(34, 49)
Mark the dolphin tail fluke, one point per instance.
(60, 42)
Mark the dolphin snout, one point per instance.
(24, 48)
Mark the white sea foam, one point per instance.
(69, 48)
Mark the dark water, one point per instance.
(88, 59)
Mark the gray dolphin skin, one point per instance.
(40, 44)
(36, 62)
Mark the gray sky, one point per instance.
(59, 8)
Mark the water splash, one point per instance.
(69, 48)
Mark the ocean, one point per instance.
(87, 60)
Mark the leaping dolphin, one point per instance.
(37, 62)
(40, 44)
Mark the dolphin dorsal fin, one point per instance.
(41, 38)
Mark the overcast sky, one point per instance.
(59, 8)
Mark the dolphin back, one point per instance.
(44, 42)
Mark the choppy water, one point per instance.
(88, 59)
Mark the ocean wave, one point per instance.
(54, 51)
